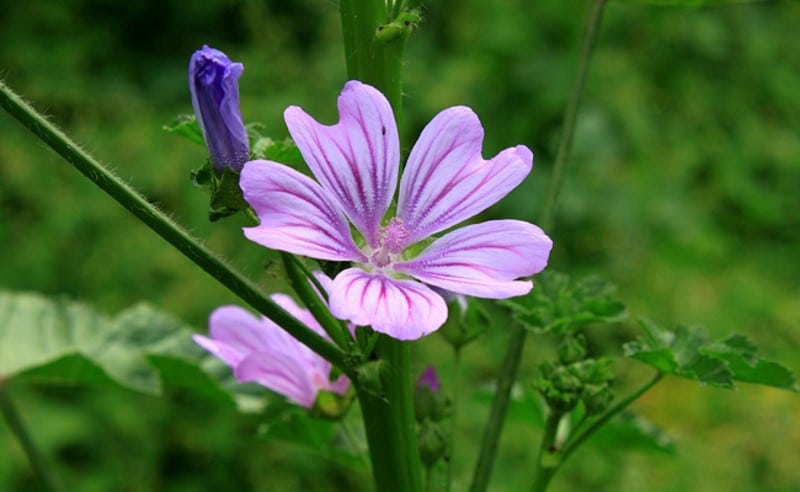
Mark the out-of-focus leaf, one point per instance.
(631, 431)
(562, 306)
(689, 3)
(140, 349)
(186, 126)
(687, 352)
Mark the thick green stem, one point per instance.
(377, 62)
(162, 225)
(389, 421)
(502, 397)
(545, 466)
(495, 424)
(388, 417)
(19, 430)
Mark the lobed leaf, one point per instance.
(687, 352)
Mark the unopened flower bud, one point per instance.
(430, 402)
(213, 83)
(432, 443)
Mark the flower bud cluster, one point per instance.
(431, 406)
(576, 378)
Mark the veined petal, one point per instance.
(484, 259)
(402, 309)
(235, 333)
(280, 373)
(446, 180)
(355, 160)
(296, 214)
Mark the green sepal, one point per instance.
(463, 326)
(185, 125)
(401, 26)
(369, 377)
(433, 443)
(687, 352)
(331, 406)
(226, 196)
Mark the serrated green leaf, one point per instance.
(687, 352)
(556, 304)
(186, 126)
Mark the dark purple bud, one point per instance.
(430, 380)
(214, 84)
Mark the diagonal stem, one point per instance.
(508, 373)
(162, 225)
(17, 426)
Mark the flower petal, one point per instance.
(355, 160)
(402, 309)
(484, 259)
(234, 333)
(280, 373)
(296, 214)
(447, 181)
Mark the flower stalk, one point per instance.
(494, 426)
(388, 417)
(165, 227)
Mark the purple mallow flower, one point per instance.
(445, 182)
(213, 82)
(260, 351)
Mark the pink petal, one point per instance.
(296, 214)
(355, 160)
(484, 259)
(234, 333)
(280, 373)
(446, 180)
(402, 309)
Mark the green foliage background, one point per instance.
(683, 189)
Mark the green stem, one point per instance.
(572, 444)
(389, 421)
(388, 417)
(375, 62)
(162, 225)
(502, 397)
(301, 281)
(19, 430)
(571, 115)
(500, 403)
(545, 467)
(453, 415)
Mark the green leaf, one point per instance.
(632, 431)
(186, 126)
(687, 352)
(556, 304)
(60, 341)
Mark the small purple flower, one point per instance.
(445, 182)
(260, 351)
(213, 82)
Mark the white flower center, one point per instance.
(391, 242)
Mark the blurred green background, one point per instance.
(683, 190)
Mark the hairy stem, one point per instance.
(389, 421)
(162, 225)
(17, 426)
(498, 412)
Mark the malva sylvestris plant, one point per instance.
(396, 238)
(445, 182)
